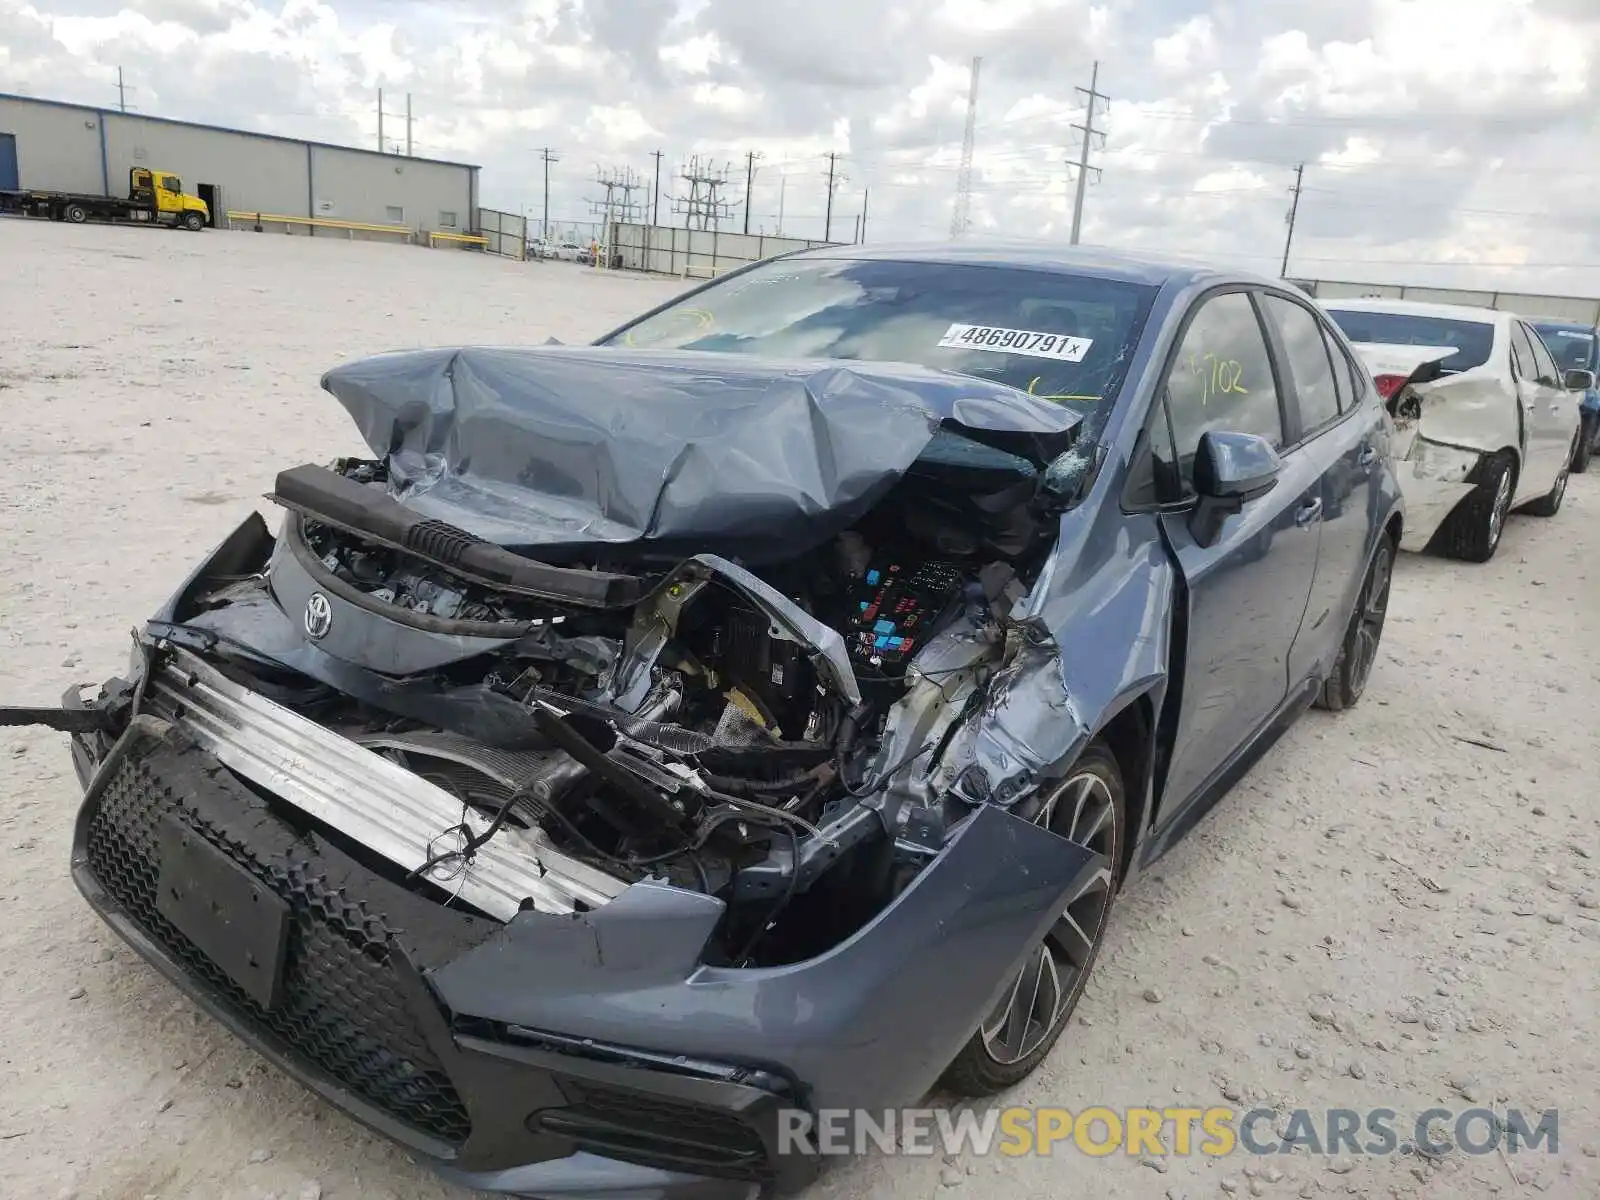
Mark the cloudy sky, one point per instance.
(1454, 142)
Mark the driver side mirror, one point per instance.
(1580, 381)
(1230, 470)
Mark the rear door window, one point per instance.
(1309, 365)
(1543, 362)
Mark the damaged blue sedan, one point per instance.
(756, 711)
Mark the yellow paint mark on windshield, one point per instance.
(661, 326)
(1033, 385)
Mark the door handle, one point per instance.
(1308, 512)
(1369, 455)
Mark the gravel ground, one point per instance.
(1396, 908)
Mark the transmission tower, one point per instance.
(962, 217)
(703, 208)
(1092, 95)
(618, 203)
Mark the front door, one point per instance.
(1246, 592)
(1553, 418)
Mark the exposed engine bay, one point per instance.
(779, 740)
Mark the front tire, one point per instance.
(1087, 806)
(1351, 670)
(1586, 431)
(1472, 530)
(193, 222)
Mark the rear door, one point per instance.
(1339, 433)
(1247, 592)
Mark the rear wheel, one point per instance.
(1473, 528)
(1549, 504)
(1087, 806)
(76, 213)
(1351, 670)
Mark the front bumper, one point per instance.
(560, 1056)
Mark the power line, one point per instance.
(1089, 133)
(383, 145)
(1294, 209)
(961, 217)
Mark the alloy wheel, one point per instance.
(1497, 513)
(1374, 606)
(1083, 810)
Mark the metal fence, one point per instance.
(693, 253)
(1527, 304)
(506, 234)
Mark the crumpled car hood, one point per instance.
(578, 446)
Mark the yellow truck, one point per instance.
(154, 198)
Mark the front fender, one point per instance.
(871, 1023)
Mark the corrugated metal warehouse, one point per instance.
(48, 144)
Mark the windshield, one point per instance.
(1572, 346)
(1472, 340)
(1067, 338)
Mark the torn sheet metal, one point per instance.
(582, 446)
(1433, 479)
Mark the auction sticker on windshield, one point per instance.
(1016, 341)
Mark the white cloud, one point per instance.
(1431, 130)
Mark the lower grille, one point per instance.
(656, 1132)
(342, 1014)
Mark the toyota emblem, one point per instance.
(319, 616)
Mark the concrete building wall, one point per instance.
(255, 173)
(74, 148)
(1569, 308)
(57, 148)
(695, 253)
(389, 189)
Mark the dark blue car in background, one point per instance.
(757, 710)
(1575, 345)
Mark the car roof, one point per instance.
(1563, 323)
(1419, 308)
(1094, 262)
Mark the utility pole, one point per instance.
(783, 188)
(408, 124)
(827, 221)
(549, 157)
(865, 192)
(1294, 209)
(122, 92)
(1089, 132)
(655, 203)
(749, 180)
(962, 214)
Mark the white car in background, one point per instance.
(1484, 421)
